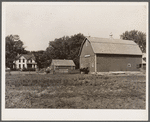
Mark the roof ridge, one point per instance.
(112, 43)
(107, 38)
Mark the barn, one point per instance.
(62, 66)
(108, 54)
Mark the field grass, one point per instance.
(75, 91)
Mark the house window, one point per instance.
(23, 60)
(19, 65)
(19, 60)
(129, 65)
(23, 66)
(31, 60)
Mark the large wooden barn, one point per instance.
(104, 55)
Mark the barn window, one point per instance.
(129, 65)
(138, 65)
(87, 56)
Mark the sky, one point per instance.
(39, 23)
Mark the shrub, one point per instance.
(85, 70)
(14, 69)
(28, 69)
(48, 70)
(77, 71)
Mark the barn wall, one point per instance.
(87, 61)
(65, 67)
(112, 62)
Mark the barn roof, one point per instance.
(113, 46)
(60, 62)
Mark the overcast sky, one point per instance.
(39, 23)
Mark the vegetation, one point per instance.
(85, 70)
(14, 46)
(61, 48)
(137, 36)
(75, 91)
(64, 48)
(28, 69)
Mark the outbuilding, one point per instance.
(108, 54)
(62, 65)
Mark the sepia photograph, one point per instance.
(75, 60)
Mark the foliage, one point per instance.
(65, 48)
(137, 36)
(14, 46)
(48, 70)
(39, 58)
(85, 70)
(61, 48)
(28, 69)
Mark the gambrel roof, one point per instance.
(112, 46)
(61, 62)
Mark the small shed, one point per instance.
(62, 66)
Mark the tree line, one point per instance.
(61, 48)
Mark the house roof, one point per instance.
(27, 56)
(113, 46)
(59, 62)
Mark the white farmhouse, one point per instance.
(25, 61)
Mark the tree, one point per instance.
(65, 48)
(137, 36)
(14, 46)
(39, 58)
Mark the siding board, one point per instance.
(107, 63)
(87, 61)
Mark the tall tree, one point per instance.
(65, 48)
(14, 46)
(137, 36)
(39, 58)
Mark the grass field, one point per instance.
(75, 91)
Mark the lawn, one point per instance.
(75, 91)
